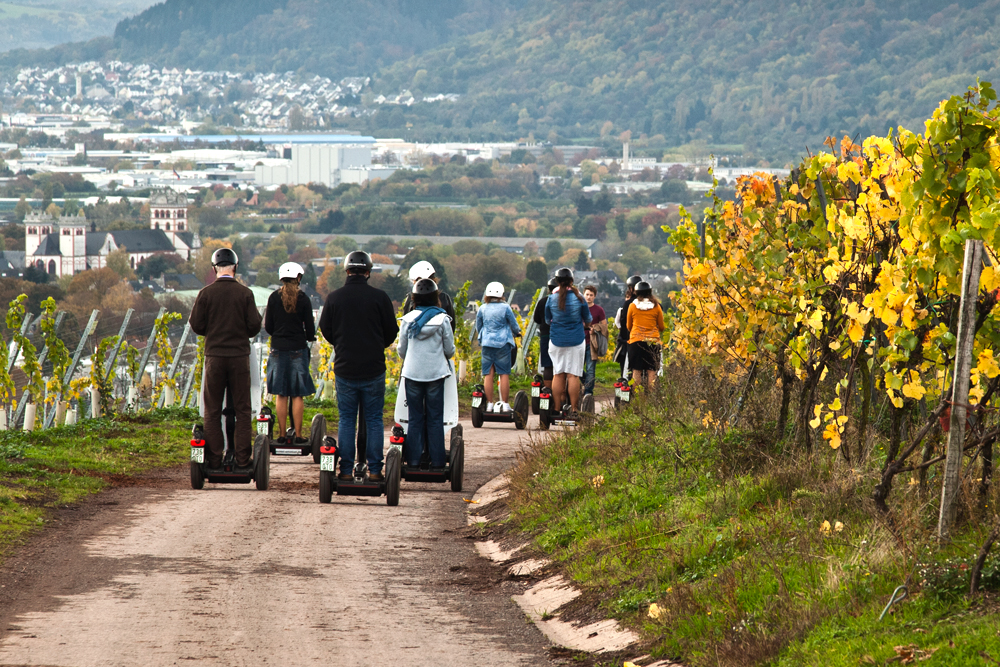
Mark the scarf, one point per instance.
(426, 314)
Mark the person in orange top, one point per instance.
(645, 324)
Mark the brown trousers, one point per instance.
(232, 373)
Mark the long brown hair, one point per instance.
(290, 294)
(565, 287)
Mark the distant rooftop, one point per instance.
(222, 138)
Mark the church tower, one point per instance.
(168, 213)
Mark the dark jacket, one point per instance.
(226, 315)
(289, 331)
(623, 332)
(359, 322)
(539, 316)
(446, 303)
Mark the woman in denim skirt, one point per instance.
(497, 327)
(289, 321)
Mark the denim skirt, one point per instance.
(497, 358)
(288, 373)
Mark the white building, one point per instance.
(315, 163)
(65, 247)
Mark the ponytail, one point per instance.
(290, 294)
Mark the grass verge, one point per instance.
(723, 547)
(42, 470)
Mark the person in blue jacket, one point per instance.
(426, 343)
(497, 328)
(566, 312)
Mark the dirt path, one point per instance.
(159, 574)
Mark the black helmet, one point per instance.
(633, 281)
(424, 286)
(552, 284)
(224, 257)
(564, 273)
(358, 259)
(643, 288)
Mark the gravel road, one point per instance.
(159, 574)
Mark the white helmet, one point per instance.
(493, 289)
(422, 269)
(290, 270)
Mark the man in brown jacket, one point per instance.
(226, 315)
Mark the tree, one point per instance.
(156, 265)
(553, 251)
(118, 261)
(537, 272)
(22, 209)
(309, 275)
(674, 190)
(582, 261)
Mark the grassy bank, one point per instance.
(43, 470)
(751, 552)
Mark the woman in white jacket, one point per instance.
(426, 342)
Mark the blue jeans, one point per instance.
(589, 372)
(425, 401)
(370, 395)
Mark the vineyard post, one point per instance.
(113, 357)
(149, 349)
(23, 403)
(172, 370)
(960, 384)
(80, 347)
(15, 349)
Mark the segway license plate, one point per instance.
(477, 401)
(535, 391)
(543, 404)
(198, 454)
(328, 462)
(618, 392)
(262, 427)
(626, 396)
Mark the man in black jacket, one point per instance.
(358, 320)
(226, 315)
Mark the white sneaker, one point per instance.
(505, 407)
(489, 407)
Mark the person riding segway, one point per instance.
(497, 327)
(544, 360)
(566, 314)
(645, 323)
(225, 313)
(426, 345)
(288, 319)
(358, 320)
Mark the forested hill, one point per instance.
(331, 37)
(774, 75)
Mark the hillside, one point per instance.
(34, 24)
(765, 79)
(774, 76)
(330, 37)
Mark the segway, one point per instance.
(623, 393)
(455, 468)
(518, 415)
(537, 383)
(550, 415)
(229, 473)
(265, 427)
(360, 484)
(259, 470)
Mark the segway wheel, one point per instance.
(197, 476)
(393, 462)
(316, 434)
(262, 463)
(457, 463)
(477, 417)
(520, 410)
(618, 404)
(326, 485)
(588, 410)
(534, 405)
(543, 419)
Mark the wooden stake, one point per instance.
(960, 384)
